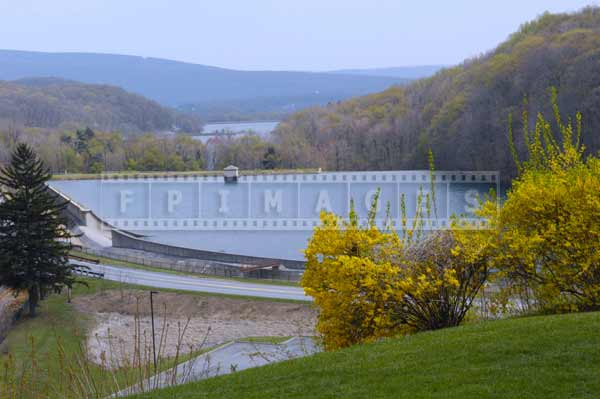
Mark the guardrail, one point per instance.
(200, 267)
(88, 273)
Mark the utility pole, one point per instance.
(153, 337)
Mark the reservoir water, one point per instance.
(261, 128)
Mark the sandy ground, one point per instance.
(123, 323)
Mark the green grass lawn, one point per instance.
(534, 357)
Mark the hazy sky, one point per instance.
(263, 34)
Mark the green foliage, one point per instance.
(88, 151)
(34, 241)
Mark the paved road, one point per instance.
(229, 358)
(198, 284)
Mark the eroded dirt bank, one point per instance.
(123, 321)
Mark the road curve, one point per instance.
(196, 284)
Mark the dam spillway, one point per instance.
(268, 215)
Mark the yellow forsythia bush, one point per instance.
(369, 284)
(353, 282)
(440, 277)
(545, 237)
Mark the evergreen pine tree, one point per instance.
(34, 241)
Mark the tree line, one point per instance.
(93, 151)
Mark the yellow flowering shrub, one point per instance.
(353, 282)
(368, 283)
(543, 244)
(441, 277)
(549, 236)
(547, 233)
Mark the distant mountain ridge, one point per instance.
(404, 72)
(175, 83)
(53, 103)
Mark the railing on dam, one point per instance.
(200, 266)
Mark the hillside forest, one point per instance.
(461, 113)
(52, 103)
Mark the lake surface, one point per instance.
(260, 128)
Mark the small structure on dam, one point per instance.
(267, 215)
(231, 174)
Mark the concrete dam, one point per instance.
(266, 215)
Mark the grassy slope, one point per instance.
(56, 318)
(536, 357)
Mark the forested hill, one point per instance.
(176, 83)
(59, 104)
(460, 113)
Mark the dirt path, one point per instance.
(212, 320)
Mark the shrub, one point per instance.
(440, 278)
(368, 283)
(353, 282)
(547, 233)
